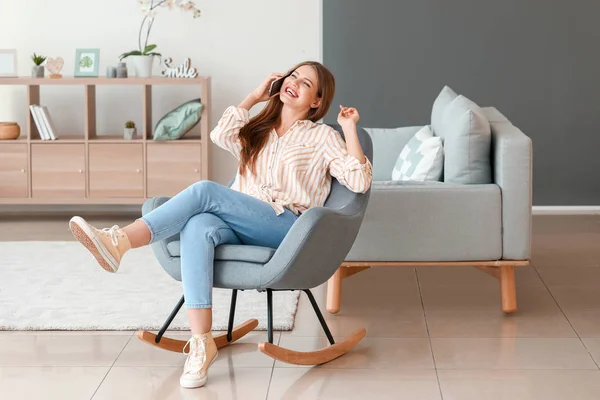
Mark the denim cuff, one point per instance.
(198, 305)
(150, 228)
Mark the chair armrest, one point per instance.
(512, 171)
(153, 203)
(313, 249)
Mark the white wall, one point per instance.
(236, 42)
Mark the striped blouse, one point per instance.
(293, 171)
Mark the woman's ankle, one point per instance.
(200, 320)
(208, 335)
(138, 234)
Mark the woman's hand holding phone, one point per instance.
(261, 93)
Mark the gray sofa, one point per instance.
(487, 226)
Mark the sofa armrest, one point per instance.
(430, 221)
(512, 172)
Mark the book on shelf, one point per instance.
(37, 121)
(44, 122)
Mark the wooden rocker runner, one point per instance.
(235, 333)
(309, 255)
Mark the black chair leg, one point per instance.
(169, 320)
(270, 315)
(231, 315)
(319, 315)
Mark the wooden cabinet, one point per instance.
(13, 170)
(58, 171)
(116, 170)
(172, 167)
(87, 166)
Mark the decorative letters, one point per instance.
(181, 71)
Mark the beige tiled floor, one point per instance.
(432, 333)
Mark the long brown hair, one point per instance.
(254, 135)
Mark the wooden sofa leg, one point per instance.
(507, 289)
(334, 292)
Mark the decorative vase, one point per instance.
(37, 71)
(111, 72)
(143, 66)
(9, 130)
(122, 70)
(129, 133)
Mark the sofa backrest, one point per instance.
(387, 145)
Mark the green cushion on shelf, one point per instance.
(176, 123)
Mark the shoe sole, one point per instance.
(88, 238)
(203, 382)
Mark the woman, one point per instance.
(286, 161)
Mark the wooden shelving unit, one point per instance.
(86, 168)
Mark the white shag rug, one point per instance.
(60, 286)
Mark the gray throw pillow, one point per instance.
(467, 143)
(439, 105)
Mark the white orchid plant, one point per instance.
(150, 8)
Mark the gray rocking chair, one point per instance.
(309, 255)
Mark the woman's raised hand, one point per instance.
(348, 115)
(261, 93)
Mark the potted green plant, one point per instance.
(130, 130)
(143, 57)
(37, 71)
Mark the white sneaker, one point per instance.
(203, 352)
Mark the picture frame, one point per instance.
(87, 62)
(8, 63)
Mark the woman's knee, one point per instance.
(205, 192)
(204, 186)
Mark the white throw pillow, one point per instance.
(422, 159)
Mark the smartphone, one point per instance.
(276, 85)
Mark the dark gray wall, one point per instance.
(537, 61)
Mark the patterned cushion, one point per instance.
(176, 123)
(422, 159)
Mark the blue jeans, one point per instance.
(206, 215)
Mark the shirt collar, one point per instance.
(306, 122)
